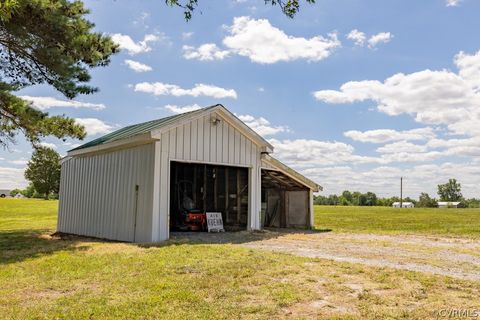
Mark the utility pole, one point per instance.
(401, 192)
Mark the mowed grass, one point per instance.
(385, 220)
(79, 278)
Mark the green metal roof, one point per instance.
(137, 129)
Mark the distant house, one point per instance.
(4, 193)
(450, 204)
(403, 205)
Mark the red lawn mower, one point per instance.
(188, 218)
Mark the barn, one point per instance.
(131, 184)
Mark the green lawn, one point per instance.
(78, 278)
(431, 221)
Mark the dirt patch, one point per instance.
(453, 257)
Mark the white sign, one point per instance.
(215, 222)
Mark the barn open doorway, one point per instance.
(285, 202)
(208, 188)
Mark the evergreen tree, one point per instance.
(45, 42)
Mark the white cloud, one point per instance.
(19, 162)
(264, 43)
(44, 103)
(187, 35)
(48, 145)
(11, 178)
(386, 135)
(382, 37)
(305, 153)
(137, 66)
(132, 47)
(207, 51)
(177, 109)
(402, 147)
(94, 126)
(357, 37)
(159, 89)
(262, 126)
(432, 97)
(452, 3)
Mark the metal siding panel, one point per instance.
(219, 135)
(179, 154)
(200, 140)
(206, 138)
(193, 140)
(213, 142)
(186, 141)
(172, 143)
(231, 144)
(97, 196)
(243, 142)
(237, 146)
(225, 142)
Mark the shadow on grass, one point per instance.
(19, 245)
(237, 237)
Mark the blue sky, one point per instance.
(301, 83)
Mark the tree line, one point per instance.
(450, 192)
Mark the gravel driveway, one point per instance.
(454, 257)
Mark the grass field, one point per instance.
(385, 220)
(77, 278)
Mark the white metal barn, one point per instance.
(124, 185)
(403, 205)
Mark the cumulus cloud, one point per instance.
(132, 47)
(19, 162)
(177, 109)
(205, 52)
(94, 126)
(262, 126)
(11, 178)
(263, 43)
(137, 66)
(387, 135)
(357, 37)
(306, 153)
(45, 103)
(200, 89)
(432, 97)
(452, 3)
(382, 37)
(187, 35)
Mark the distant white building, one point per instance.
(450, 204)
(403, 205)
(4, 193)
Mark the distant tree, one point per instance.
(14, 192)
(29, 191)
(45, 42)
(424, 201)
(472, 203)
(370, 199)
(450, 191)
(347, 195)
(43, 170)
